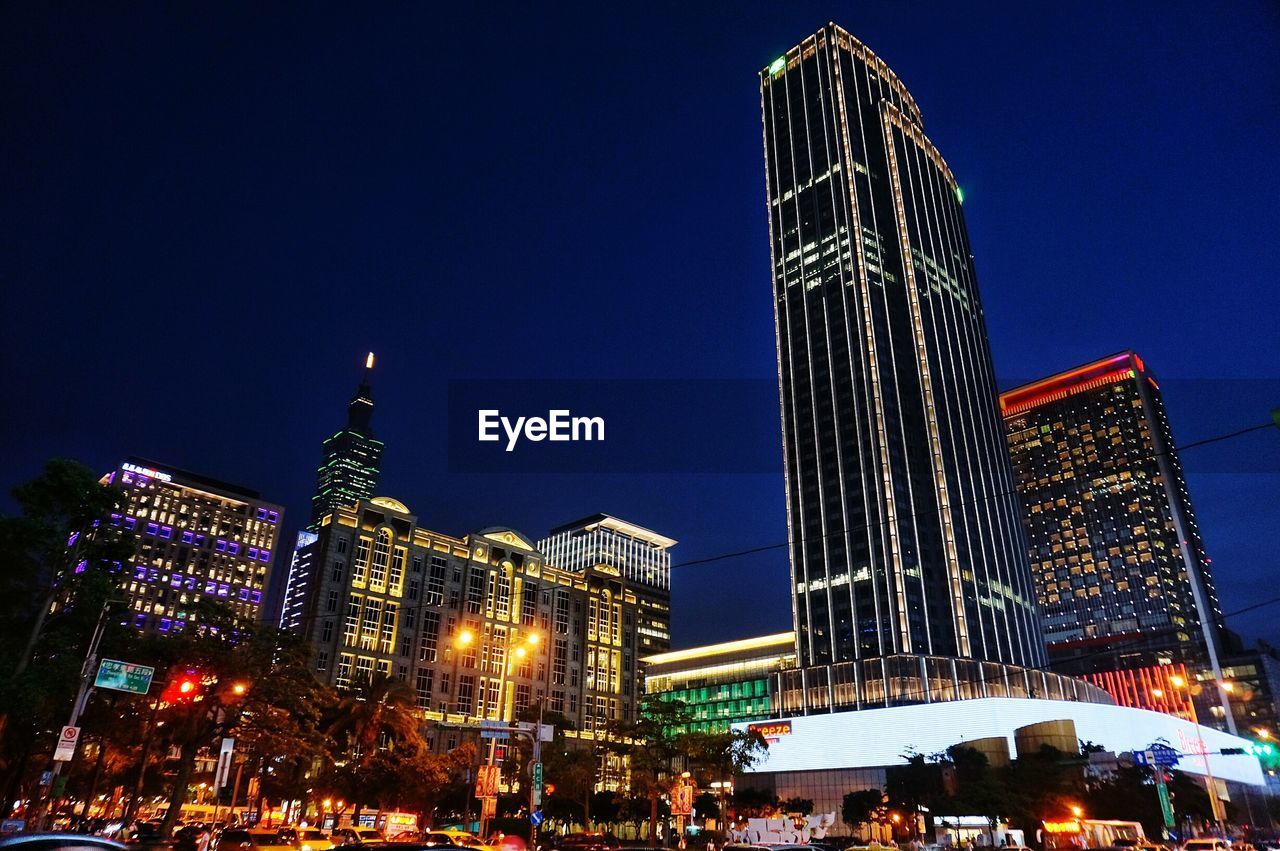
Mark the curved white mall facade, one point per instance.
(879, 737)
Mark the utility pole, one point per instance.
(87, 671)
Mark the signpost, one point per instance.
(682, 800)
(536, 817)
(537, 785)
(1160, 757)
(487, 781)
(67, 740)
(124, 676)
(494, 730)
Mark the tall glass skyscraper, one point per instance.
(352, 457)
(905, 533)
(1124, 583)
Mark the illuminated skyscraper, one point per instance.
(352, 457)
(1120, 570)
(640, 555)
(907, 553)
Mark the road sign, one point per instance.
(487, 781)
(1166, 807)
(536, 817)
(682, 800)
(1163, 755)
(546, 732)
(224, 763)
(537, 784)
(494, 730)
(67, 744)
(124, 676)
(46, 777)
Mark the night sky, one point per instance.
(209, 212)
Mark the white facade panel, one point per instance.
(880, 737)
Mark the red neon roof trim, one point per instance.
(1065, 384)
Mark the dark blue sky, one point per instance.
(207, 217)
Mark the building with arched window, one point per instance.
(480, 626)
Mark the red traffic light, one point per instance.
(184, 688)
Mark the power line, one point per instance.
(998, 495)
(310, 617)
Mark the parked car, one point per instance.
(1207, 843)
(589, 842)
(456, 837)
(307, 838)
(356, 836)
(257, 839)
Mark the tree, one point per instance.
(754, 803)
(977, 789)
(59, 534)
(213, 666)
(380, 710)
(280, 729)
(861, 807)
(653, 743)
(797, 806)
(55, 550)
(1039, 786)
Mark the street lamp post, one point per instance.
(1210, 785)
(510, 653)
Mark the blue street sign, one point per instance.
(1142, 758)
(1163, 755)
(536, 817)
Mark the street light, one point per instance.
(1215, 803)
(1077, 811)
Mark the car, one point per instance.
(356, 836)
(1207, 843)
(59, 842)
(451, 836)
(589, 842)
(257, 839)
(307, 838)
(398, 844)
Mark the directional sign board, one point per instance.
(537, 784)
(124, 676)
(494, 730)
(487, 781)
(536, 817)
(66, 744)
(1163, 755)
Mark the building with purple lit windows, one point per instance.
(197, 538)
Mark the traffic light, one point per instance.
(548, 789)
(185, 687)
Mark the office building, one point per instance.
(197, 538)
(641, 555)
(722, 684)
(1121, 573)
(352, 456)
(480, 625)
(907, 553)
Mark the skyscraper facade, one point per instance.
(197, 538)
(352, 459)
(905, 536)
(642, 556)
(1121, 572)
